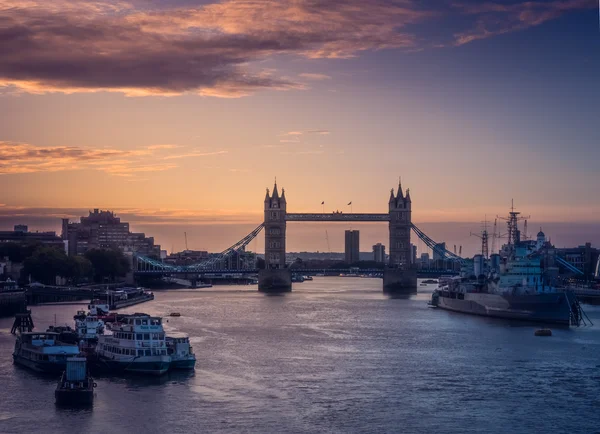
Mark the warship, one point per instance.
(510, 284)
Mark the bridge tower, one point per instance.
(401, 276)
(400, 227)
(275, 277)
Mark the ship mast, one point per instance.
(484, 236)
(513, 219)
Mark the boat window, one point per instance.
(139, 336)
(147, 352)
(146, 336)
(144, 322)
(138, 322)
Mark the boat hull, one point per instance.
(72, 397)
(155, 365)
(45, 367)
(183, 364)
(543, 308)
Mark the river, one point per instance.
(334, 356)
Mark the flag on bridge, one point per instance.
(350, 203)
(323, 203)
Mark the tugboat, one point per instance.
(136, 345)
(180, 350)
(75, 386)
(43, 352)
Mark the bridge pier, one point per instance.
(397, 281)
(275, 280)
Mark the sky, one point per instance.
(178, 114)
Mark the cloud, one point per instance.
(154, 147)
(300, 133)
(211, 50)
(195, 154)
(20, 158)
(493, 19)
(164, 48)
(311, 76)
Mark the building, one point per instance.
(352, 247)
(413, 258)
(101, 230)
(438, 251)
(379, 252)
(21, 235)
(187, 257)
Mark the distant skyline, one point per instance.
(179, 114)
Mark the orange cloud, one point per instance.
(18, 158)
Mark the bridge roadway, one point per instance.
(336, 217)
(218, 273)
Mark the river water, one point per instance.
(333, 356)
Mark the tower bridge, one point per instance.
(398, 276)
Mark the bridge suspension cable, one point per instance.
(444, 253)
(572, 268)
(149, 264)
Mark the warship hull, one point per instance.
(551, 308)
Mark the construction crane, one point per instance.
(525, 231)
(185, 236)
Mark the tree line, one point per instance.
(43, 263)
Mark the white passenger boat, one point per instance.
(136, 345)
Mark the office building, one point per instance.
(413, 257)
(379, 253)
(21, 235)
(101, 230)
(438, 251)
(352, 247)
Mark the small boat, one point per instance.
(543, 332)
(174, 314)
(75, 386)
(180, 350)
(43, 352)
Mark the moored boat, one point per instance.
(510, 285)
(75, 386)
(180, 350)
(43, 352)
(136, 345)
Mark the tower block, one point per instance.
(275, 277)
(401, 276)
